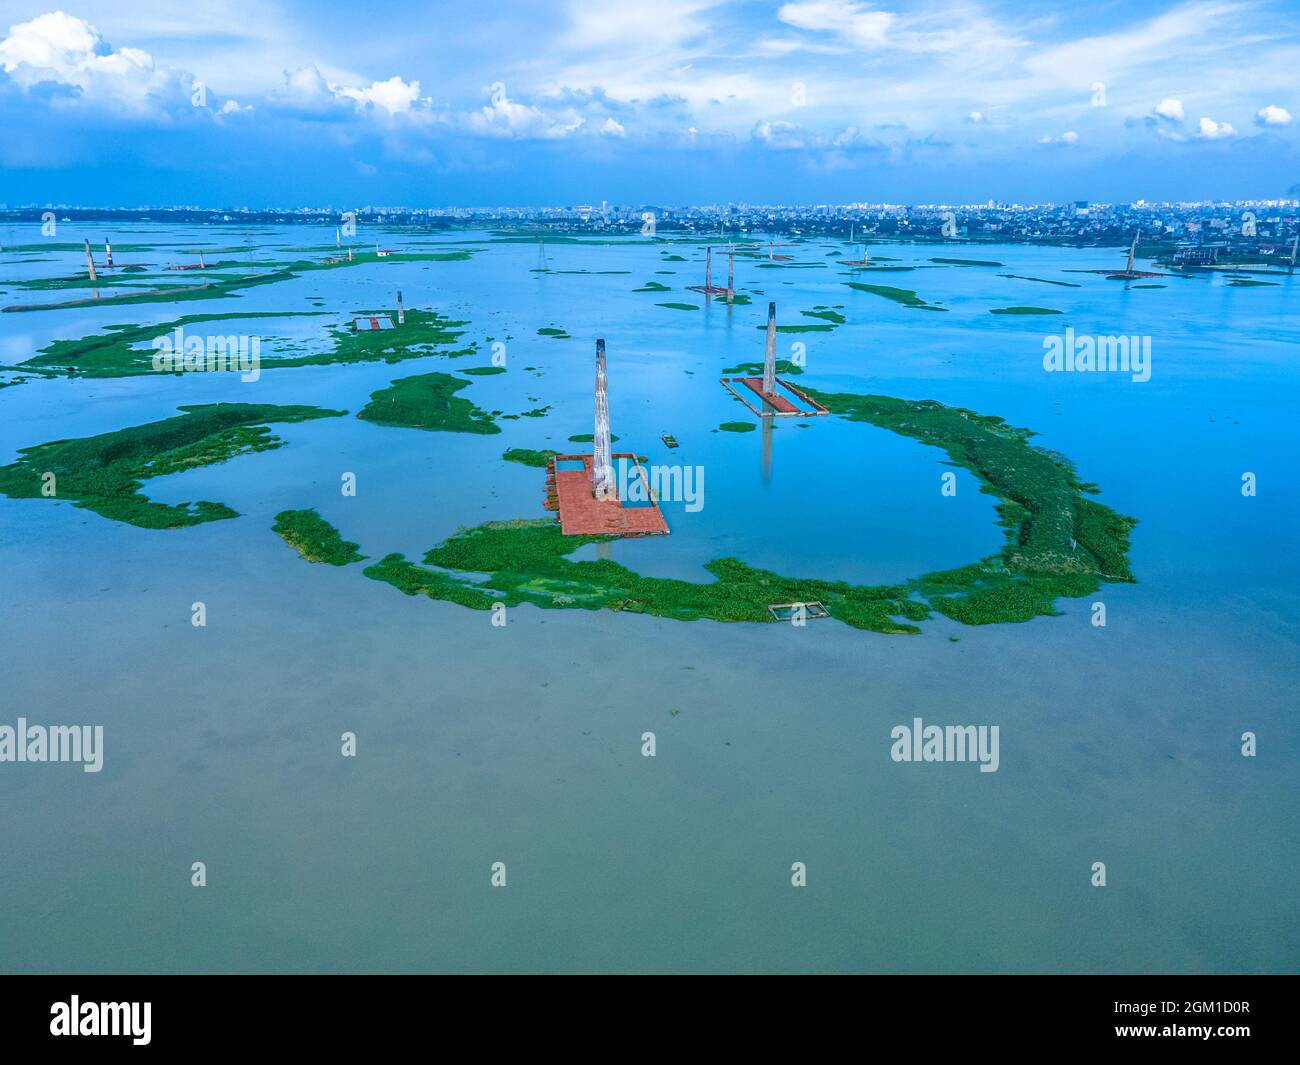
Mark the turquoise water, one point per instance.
(522, 744)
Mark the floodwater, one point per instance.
(521, 744)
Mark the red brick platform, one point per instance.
(781, 407)
(582, 514)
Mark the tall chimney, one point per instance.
(90, 261)
(401, 311)
(769, 353)
(602, 469)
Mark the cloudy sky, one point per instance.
(286, 102)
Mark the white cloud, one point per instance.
(1272, 115)
(779, 135)
(1211, 130)
(505, 118)
(1170, 110)
(602, 24)
(858, 24)
(307, 93)
(61, 49)
(611, 128)
(1068, 137)
(394, 95)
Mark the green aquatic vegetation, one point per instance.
(1250, 283)
(485, 371)
(221, 286)
(427, 401)
(527, 456)
(736, 427)
(113, 353)
(116, 352)
(784, 367)
(1054, 533)
(525, 562)
(315, 539)
(653, 286)
(105, 473)
(552, 331)
(587, 438)
(966, 262)
(738, 300)
(209, 289)
(679, 306)
(826, 314)
(65, 245)
(674, 259)
(906, 296)
(1042, 280)
(15, 381)
(1059, 543)
(132, 277)
(420, 335)
(1023, 310)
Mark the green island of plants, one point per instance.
(906, 296)
(1041, 280)
(1023, 310)
(805, 328)
(1058, 544)
(784, 367)
(105, 473)
(116, 352)
(315, 539)
(220, 285)
(826, 314)
(427, 401)
(527, 456)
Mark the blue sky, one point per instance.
(281, 102)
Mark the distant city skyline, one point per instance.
(680, 102)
